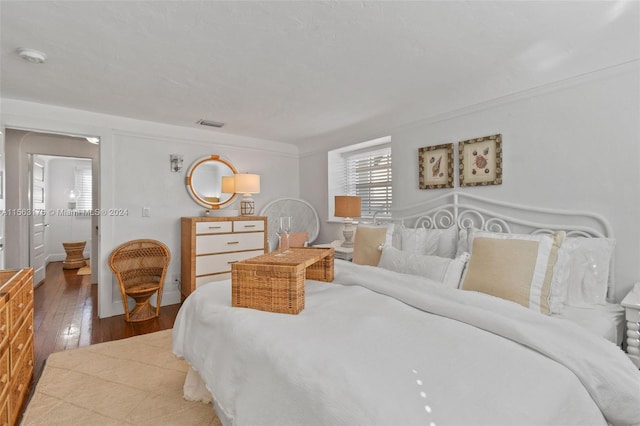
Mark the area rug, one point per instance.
(134, 381)
(85, 270)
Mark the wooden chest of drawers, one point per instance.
(210, 245)
(16, 341)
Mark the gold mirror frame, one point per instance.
(204, 195)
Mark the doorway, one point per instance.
(21, 148)
(61, 206)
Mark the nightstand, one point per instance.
(340, 252)
(631, 304)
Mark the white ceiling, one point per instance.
(300, 71)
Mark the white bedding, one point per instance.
(605, 320)
(357, 356)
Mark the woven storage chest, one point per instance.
(274, 282)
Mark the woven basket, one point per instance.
(275, 282)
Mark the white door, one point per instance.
(37, 219)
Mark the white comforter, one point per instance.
(354, 355)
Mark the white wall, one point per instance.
(60, 178)
(135, 172)
(571, 145)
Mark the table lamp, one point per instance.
(247, 184)
(228, 185)
(348, 207)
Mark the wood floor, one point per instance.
(66, 316)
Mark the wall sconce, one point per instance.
(247, 184)
(348, 207)
(176, 162)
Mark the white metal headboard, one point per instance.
(465, 210)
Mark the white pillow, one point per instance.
(437, 242)
(447, 242)
(581, 275)
(419, 241)
(445, 270)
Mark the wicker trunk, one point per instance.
(275, 282)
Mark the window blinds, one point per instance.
(84, 186)
(368, 174)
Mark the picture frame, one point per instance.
(480, 161)
(435, 166)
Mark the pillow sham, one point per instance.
(516, 267)
(442, 269)
(581, 275)
(419, 241)
(368, 241)
(437, 242)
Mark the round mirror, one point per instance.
(204, 182)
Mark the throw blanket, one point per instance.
(386, 348)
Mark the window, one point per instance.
(84, 186)
(364, 170)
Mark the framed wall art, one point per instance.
(480, 161)
(435, 166)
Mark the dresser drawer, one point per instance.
(4, 319)
(216, 263)
(20, 386)
(229, 242)
(20, 301)
(214, 227)
(248, 225)
(204, 279)
(21, 342)
(4, 410)
(4, 370)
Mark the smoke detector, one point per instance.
(31, 55)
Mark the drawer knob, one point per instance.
(21, 305)
(249, 226)
(20, 346)
(233, 242)
(232, 261)
(215, 227)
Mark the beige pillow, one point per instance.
(515, 267)
(296, 239)
(367, 243)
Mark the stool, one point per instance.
(75, 255)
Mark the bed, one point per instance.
(414, 338)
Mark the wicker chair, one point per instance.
(140, 266)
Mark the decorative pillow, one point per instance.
(296, 239)
(447, 241)
(516, 267)
(419, 240)
(368, 241)
(581, 275)
(442, 269)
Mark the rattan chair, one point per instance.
(140, 266)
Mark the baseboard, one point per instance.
(59, 257)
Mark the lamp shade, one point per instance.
(247, 183)
(228, 185)
(347, 206)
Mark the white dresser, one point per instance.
(211, 244)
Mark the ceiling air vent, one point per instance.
(210, 123)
